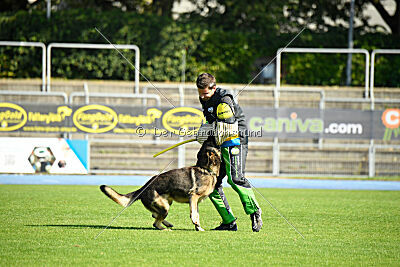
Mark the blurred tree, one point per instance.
(324, 14)
(156, 7)
(257, 17)
(394, 20)
(261, 16)
(14, 5)
(159, 7)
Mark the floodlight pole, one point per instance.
(181, 149)
(351, 44)
(48, 9)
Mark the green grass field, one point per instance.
(55, 225)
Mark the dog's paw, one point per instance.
(198, 228)
(167, 224)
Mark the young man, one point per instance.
(227, 125)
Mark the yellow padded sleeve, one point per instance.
(224, 111)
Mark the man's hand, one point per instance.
(204, 132)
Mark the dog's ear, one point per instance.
(214, 156)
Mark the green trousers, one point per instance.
(233, 163)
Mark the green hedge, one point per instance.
(230, 55)
(161, 40)
(330, 69)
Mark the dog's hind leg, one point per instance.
(160, 220)
(194, 212)
(160, 207)
(165, 222)
(157, 223)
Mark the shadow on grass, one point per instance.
(77, 226)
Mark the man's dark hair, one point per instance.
(205, 80)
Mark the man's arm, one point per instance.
(226, 124)
(226, 110)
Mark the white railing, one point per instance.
(319, 51)
(93, 46)
(369, 71)
(374, 52)
(32, 44)
(34, 93)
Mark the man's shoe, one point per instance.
(227, 227)
(256, 220)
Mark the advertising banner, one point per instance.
(43, 155)
(280, 122)
(311, 123)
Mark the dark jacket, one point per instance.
(210, 111)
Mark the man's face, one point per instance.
(206, 93)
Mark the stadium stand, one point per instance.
(304, 157)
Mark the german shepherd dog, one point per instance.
(185, 185)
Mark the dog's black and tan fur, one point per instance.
(185, 185)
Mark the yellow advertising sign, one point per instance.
(151, 115)
(48, 118)
(95, 119)
(185, 119)
(12, 117)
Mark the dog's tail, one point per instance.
(122, 199)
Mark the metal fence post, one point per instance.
(277, 78)
(275, 157)
(371, 158)
(87, 101)
(321, 108)
(181, 149)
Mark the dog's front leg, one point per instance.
(194, 212)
